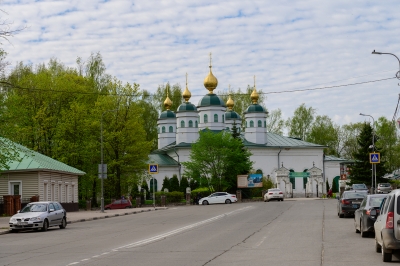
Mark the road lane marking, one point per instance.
(171, 233)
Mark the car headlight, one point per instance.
(35, 219)
(12, 220)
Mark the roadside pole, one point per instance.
(153, 169)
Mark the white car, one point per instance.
(218, 197)
(39, 215)
(273, 194)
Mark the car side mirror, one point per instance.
(51, 210)
(373, 213)
(18, 211)
(337, 197)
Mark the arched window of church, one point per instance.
(158, 130)
(223, 118)
(163, 129)
(215, 118)
(265, 123)
(171, 129)
(251, 123)
(259, 123)
(182, 123)
(245, 124)
(205, 118)
(190, 123)
(196, 124)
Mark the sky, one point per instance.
(321, 49)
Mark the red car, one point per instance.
(119, 204)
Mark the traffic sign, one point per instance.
(153, 168)
(375, 157)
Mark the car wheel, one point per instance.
(14, 231)
(281, 199)
(63, 223)
(45, 225)
(341, 215)
(228, 201)
(205, 202)
(107, 209)
(355, 225)
(377, 247)
(362, 233)
(127, 207)
(386, 254)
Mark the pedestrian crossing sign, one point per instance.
(375, 157)
(153, 168)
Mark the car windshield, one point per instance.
(359, 186)
(274, 190)
(384, 185)
(34, 208)
(375, 201)
(354, 195)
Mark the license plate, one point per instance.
(355, 206)
(22, 223)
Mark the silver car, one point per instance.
(384, 188)
(39, 215)
(273, 194)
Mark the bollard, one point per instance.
(239, 195)
(163, 200)
(138, 202)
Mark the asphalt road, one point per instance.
(304, 232)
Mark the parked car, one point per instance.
(218, 197)
(273, 194)
(363, 221)
(349, 202)
(119, 204)
(384, 188)
(39, 215)
(387, 226)
(359, 187)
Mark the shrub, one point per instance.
(172, 197)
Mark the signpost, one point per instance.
(153, 169)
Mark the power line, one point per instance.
(152, 95)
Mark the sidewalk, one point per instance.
(83, 216)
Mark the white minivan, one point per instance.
(387, 225)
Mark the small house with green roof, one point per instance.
(35, 174)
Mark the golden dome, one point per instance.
(167, 102)
(230, 103)
(210, 82)
(186, 93)
(254, 95)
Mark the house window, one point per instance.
(73, 192)
(52, 192)
(251, 123)
(190, 123)
(59, 192)
(205, 118)
(182, 123)
(196, 124)
(155, 185)
(259, 123)
(45, 192)
(265, 124)
(223, 118)
(66, 193)
(171, 129)
(215, 118)
(163, 129)
(15, 188)
(158, 130)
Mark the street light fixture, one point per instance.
(102, 165)
(373, 148)
(398, 72)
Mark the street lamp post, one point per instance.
(102, 159)
(373, 147)
(398, 72)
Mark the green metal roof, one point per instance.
(255, 108)
(32, 160)
(211, 99)
(167, 114)
(231, 115)
(329, 158)
(187, 106)
(162, 160)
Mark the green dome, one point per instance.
(255, 108)
(185, 107)
(211, 99)
(231, 115)
(167, 114)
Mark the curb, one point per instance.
(6, 231)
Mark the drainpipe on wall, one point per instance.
(179, 165)
(280, 149)
(323, 173)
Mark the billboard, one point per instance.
(249, 181)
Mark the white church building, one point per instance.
(295, 166)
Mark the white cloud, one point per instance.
(287, 45)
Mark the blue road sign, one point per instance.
(153, 168)
(375, 157)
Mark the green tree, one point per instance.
(165, 184)
(300, 124)
(218, 157)
(361, 169)
(388, 142)
(348, 139)
(174, 183)
(183, 184)
(325, 132)
(275, 123)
